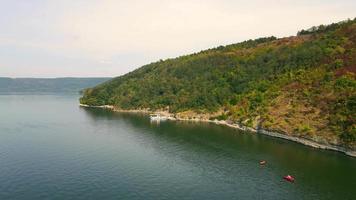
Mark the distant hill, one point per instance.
(47, 85)
(302, 86)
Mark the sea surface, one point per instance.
(50, 148)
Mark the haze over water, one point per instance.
(52, 149)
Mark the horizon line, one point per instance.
(27, 77)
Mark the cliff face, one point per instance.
(302, 86)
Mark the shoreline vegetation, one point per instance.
(176, 117)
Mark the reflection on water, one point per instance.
(312, 167)
(52, 149)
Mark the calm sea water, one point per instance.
(52, 149)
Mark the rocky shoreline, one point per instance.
(171, 116)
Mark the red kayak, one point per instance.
(288, 178)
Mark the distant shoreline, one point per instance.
(171, 116)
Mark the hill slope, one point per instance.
(47, 85)
(302, 86)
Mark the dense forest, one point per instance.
(47, 85)
(302, 85)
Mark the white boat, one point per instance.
(157, 117)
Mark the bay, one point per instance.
(50, 148)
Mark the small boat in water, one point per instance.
(289, 178)
(157, 117)
(263, 162)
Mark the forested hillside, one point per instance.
(47, 85)
(302, 86)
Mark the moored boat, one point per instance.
(157, 117)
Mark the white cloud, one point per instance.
(107, 62)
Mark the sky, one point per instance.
(107, 38)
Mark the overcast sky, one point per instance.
(81, 38)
